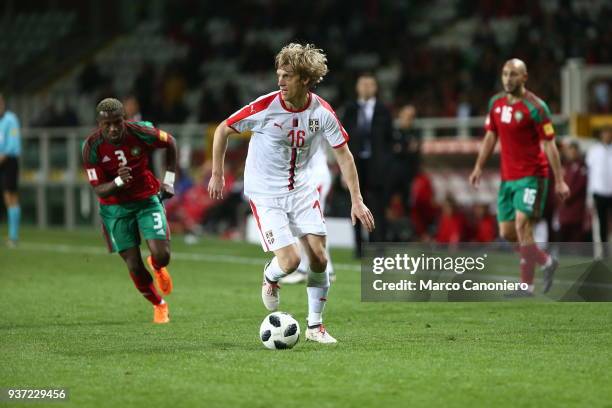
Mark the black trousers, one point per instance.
(375, 198)
(603, 204)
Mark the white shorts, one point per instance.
(323, 179)
(283, 219)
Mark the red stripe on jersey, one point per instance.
(251, 109)
(535, 101)
(292, 168)
(254, 209)
(152, 131)
(340, 145)
(327, 106)
(91, 139)
(288, 109)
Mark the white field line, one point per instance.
(233, 259)
(183, 256)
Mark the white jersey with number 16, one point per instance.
(283, 142)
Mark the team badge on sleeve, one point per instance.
(163, 136)
(548, 129)
(270, 237)
(91, 175)
(313, 125)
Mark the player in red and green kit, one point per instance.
(116, 158)
(521, 122)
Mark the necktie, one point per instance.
(364, 129)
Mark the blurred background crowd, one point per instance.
(196, 62)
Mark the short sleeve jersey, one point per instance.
(520, 127)
(283, 142)
(102, 159)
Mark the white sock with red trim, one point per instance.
(273, 271)
(317, 289)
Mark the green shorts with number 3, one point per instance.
(527, 195)
(122, 224)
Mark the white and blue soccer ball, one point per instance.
(279, 330)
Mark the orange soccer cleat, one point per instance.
(161, 314)
(162, 277)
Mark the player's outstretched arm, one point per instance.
(552, 154)
(217, 180)
(167, 187)
(486, 149)
(359, 211)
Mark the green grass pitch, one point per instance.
(70, 317)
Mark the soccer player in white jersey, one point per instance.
(287, 127)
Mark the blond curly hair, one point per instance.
(307, 61)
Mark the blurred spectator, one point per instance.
(132, 108)
(572, 212)
(398, 222)
(174, 86)
(405, 156)
(209, 108)
(370, 125)
(423, 209)
(190, 209)
(599, 162)
(52, 116)
(452, 226)
(485, 224)
(92, 80)
(145, 88)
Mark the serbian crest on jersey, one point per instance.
(270, 237)
(313, 125)
(136, 151)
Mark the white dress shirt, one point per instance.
(599, 161)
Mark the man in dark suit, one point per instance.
(370, 126)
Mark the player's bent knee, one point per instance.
(319, 262)
(508, 235)
(161, 257)
(289, 263)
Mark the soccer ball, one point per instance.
(279, 330)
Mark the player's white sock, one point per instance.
(549, 261)
(304, 261)
(317, 289)
(330, 265)
(273, 271)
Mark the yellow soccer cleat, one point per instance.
(161, 314)
(162, 277)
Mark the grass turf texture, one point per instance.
(72, 318)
